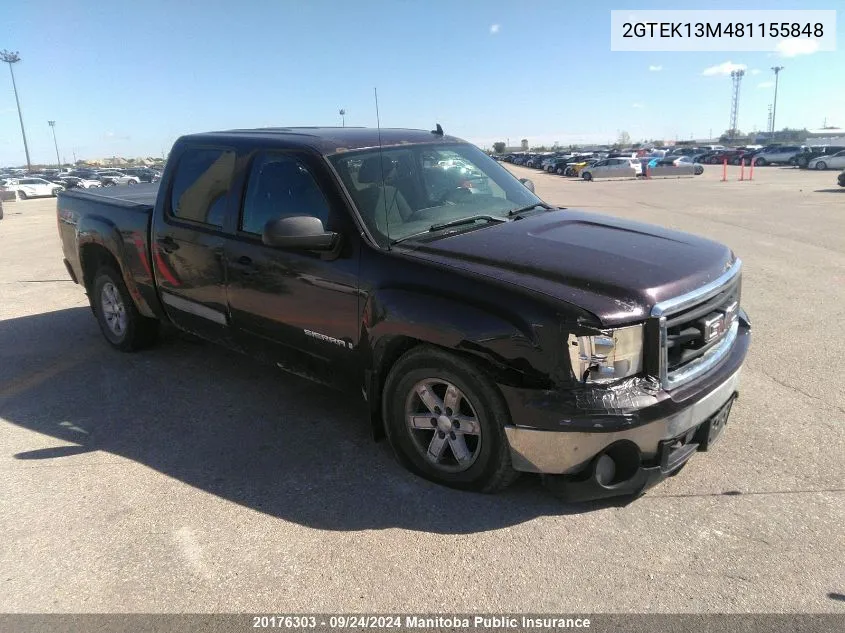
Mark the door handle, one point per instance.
(245, 266)
(167, 244)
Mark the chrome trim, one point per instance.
(561, 452)
(710, 359)
(699, 295)
(706, 362)
(192, 307)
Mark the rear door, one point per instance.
(188, 241)
(299, 308)
(837, 161)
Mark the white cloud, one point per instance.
(766, 84)
(494, 29)
(756, 71)
(725, 68)
(655, 69)
(793, 47)
(637, 105)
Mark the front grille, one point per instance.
(698, 329)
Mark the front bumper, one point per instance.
(659, 429)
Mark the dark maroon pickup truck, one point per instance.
(489, 332)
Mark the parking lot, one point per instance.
(190, 479)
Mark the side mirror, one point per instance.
(301, 232)
(528, 184)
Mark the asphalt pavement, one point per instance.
(190, 479)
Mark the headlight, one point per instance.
(609, 356)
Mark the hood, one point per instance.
(613, 268)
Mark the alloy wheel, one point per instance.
(443, 425)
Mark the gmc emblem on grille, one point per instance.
(720, 323)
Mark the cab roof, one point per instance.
(325, 140)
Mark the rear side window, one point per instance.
(201, 185)
(280, 186)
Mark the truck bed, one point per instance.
(130, 196)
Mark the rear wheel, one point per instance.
(821, 165)
(445, 421)
(121, 323)
(559, 171)
(22, 194)
(587, 175)
(761, 162)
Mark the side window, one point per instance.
(201, 185)
(279, 186)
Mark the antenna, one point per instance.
(381, 163)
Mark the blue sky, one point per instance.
(127, 79)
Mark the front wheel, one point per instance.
(559, 171)
(761, 162)
(699, 170)
(22, 195)
(446, 421)
(821, 165)
(587, 175)
(121, 323)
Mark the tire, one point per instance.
(586, 176)
(120, 322)
(699, 170)
(486, 463)
(735, 161)
(559, 171)
(712, 161)
(22, 194)
(761, 162)
(821, 165)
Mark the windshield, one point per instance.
(403, 191)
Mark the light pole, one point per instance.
(13, 58)
(776, 70)
(342, 114)
(52, 125)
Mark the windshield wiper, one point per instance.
(446, 225)
(467, 220)
(529, 207)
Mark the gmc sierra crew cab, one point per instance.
(488, 332)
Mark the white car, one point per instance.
(32, 187)
(834, 161)
(613, 168)
(110, 178)
(79, 183)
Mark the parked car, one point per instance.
(33, 187)
(487, 334)
(697, 168)
(782, 155)
(668, 167)
(112, 178)
(614, 168)
(719, 156)
(831, 158)
(575, 169)
(74, 182)
(143, 174)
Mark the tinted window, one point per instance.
(201, 185)
(280, 186)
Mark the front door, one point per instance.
(187, 245)
(300, 308)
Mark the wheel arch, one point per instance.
(98, 250)
(506, 348)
